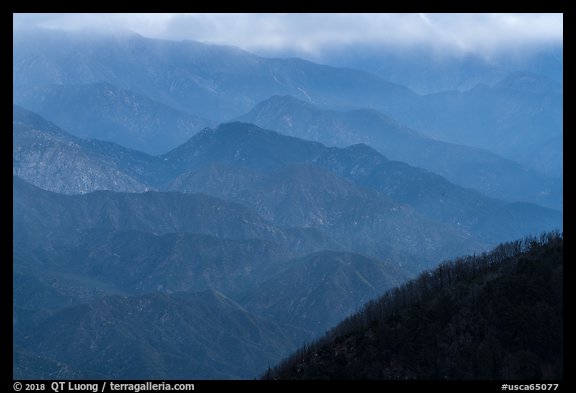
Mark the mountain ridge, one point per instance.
(106, 112)
(208, 252)
(221, 83)
(467, 166)
(243, 145)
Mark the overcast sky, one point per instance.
(309, 35)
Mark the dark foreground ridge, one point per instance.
(494, 316)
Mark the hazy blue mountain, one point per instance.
(39, 214)
(428, 71)
(221, 255)
(516, 119)
(466, 166)
(71, 253)
(216, 82)
(530, 82)
(488, 219)
(357, 219)
(182, 336)
(131, 262)
(221, 83)
(103, 230)
(301, 197)
(250, 147)
(242, 145)
(109, 113)
(50, 158)
(498, 316)
(317, 291)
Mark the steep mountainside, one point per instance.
(55, 160)
(497, 316)
(466, 166)
(52, 159)
(109, 113)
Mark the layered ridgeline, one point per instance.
(257, 245)
(107, 112)
(150, 241)
(519, 117)
(422, 70)
(253, 149)
(156, 336)
(128, 273)
(289, 181)
(218, 82)
(470, 167)
(494, 316)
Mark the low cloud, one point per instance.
(312, 34)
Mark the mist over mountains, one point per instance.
(426, 70)
(219, 83)
(470, 167)
(192, 211)
(107, 112)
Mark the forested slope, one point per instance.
(494, 316)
